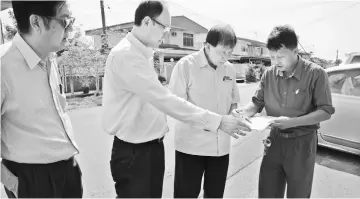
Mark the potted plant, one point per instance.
(85, 83)
(250, 74)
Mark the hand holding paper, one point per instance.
(257, 123)
(260, 123)
(283, 122)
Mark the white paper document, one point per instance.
(260, 123)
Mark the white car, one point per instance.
(342, 131)
(352, 58)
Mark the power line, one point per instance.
(303, 48)
(194, 13)
(333, 14)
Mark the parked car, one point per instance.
(342, 131)
(352, 58)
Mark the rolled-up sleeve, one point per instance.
(258, 98)
(141, 79)
(322, 94)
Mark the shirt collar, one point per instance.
(148, 52)
(201, 59)
(297, 72)
(30, 56)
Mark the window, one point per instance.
(173, 34)
(188, 39)
(345, 82)
(356, 59)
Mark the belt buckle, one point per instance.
(285, 135)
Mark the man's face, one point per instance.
(157, 28)
(220, 54)
(55, 37)
(284, 58)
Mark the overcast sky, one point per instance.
(323, 26)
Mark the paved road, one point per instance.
(336, 174)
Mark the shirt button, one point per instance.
(284, 93)
(283, 105)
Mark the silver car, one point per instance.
(342, 131)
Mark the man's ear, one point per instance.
(207, 46)
(146, 21)
(296, 51)
(36, 22)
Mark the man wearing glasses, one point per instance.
(37, 143)
(208, 80)
(134, 106)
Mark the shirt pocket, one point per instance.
(298, 99)
(227, 87)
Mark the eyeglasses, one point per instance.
(223, 53)
(64, 22)
(166, 28)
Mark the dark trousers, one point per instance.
(189, 170)
(138, 169)
(55, 180)
(288, 161)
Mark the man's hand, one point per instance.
(234, 126)
(283, 123)
(239, 113)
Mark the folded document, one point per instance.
(260, 123)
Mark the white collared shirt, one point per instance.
(197, 82)
(35, 127)
(135, 101)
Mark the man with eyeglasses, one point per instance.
(208, 80)
(135, 102)
(37, 142)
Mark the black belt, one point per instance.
(155, 141)
(158, 140)
(290, 134)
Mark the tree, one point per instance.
(83, 63)
(322, 62)
(10, 30)
(156, 58)
(337, 62)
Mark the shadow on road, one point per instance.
(339, 161)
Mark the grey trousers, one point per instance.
(288, 161)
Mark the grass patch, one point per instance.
(84, 102)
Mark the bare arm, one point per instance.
(233, 107)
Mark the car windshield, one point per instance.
(345, 82)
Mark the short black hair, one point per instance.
(221, 35)
(151, 9)
(282, 36)
(24, 9)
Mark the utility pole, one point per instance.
(104, 43)
(104, 39)
(337, 54)
(103, 16)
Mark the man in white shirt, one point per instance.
(37, 142)
(135, 103)
(208, 80)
